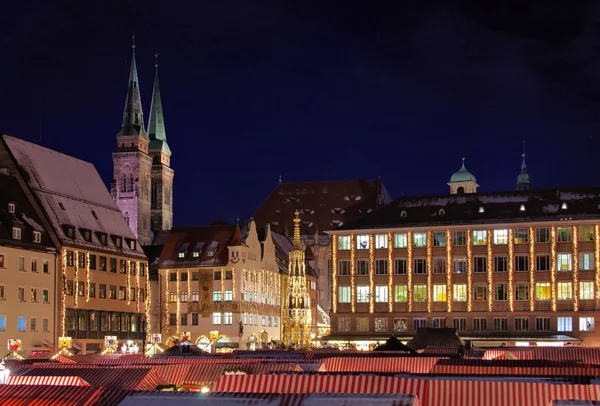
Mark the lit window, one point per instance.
(400, 240)
(195, 254)
(563, 262)
(586, 261)
(439, 293)
(481, 209)
(564, 290)
(344, 294)
(479, 237)
(522, 208)
(181, 254)
(586, 233)
(11, 207)
(217, 318)
(2, 323)
(480, 293)
(344, 242)
(542, 291)
(16, 233)
(420, 239)
(381, 294)
(362, 294)
(586, 324)
(563, 206)
(564, 234)
(228, 295)
(521, 236)
(586, 290)
(37, 237)
(21, 324)
(400, 324)
(400, 293)
(419, 293)
(564, 324)
(228, 318)
(381, 241)
(362, 242)
(500, 237)
(439, 239)
(459, 293)
(217, 296)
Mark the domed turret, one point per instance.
(463, 181)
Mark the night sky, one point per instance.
(314, 90)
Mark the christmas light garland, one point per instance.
(429, 267)
(233, 283)
(64, 294)
(597, 258)
(469, 270)
(189, 286)
(148, 303)
(490, 270)
(87, 276)
(409, 269)
(137, 286)
(334, 281)
(553, 265)
(390, 273)
(223, 284)
(128, 294)
(575, 268)
(352, 273)
(449, 270)
(167, 298)
(76, 283)
(178, 311)
(511, 275)
(371, 273)
(531, 269)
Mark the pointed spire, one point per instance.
(156, 122)
(297, 230)
(523, 180)
(133, 116)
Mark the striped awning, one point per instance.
(415, 365)
(47, 380)
(25, 395)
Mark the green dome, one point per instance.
(463, 175)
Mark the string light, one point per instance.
(597, 258)
(371, 273)
(575, 269)
(178, 311)
(469, 270)
(87, 275)
(137, 286)
(429, 265)
(148, 303)
(167, 297)
(390, 273)
(64, 295)
(223, 286)
(449, 270)
(489, 270)
(511, 275)
(189, 286)
(128, 294)
(352, 272)
(76, 268)
(531, 269)
(553, 265)
(233, 283)
(409, 269)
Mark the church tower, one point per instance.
(161, 190)
(462, 181)
(523, 180)
(132, 164)
(297, 316)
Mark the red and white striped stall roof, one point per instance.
(28, 395)
(513, 367)
(441, 350)
(414, 365)
(47, 380)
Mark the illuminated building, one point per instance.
(500, 267)
(297, 306)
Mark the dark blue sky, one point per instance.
(314, 90)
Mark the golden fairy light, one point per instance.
(490, 270)
(87, 276)
(429, 266)
(511, 275)
(148, 303)
(597, 258)
(76, 283)
(64, 294)
(531, 269)
(127, 294)
(553, 265)
(409, 268)
(390, 273)
(449, 270)
(137, 286)
(352, 272)
(223, 283)
(469, 270)
(178, 311)
(189, 285)
(167, 298)
(334, 272)
(371, 273)
(233, 283)
(575, 268)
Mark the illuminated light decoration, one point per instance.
(137, 286)
(334, 265)
(391, 273)
(553, 265)
(490, 268)
(511, 275)
(178, 311)
(409, 269)
(127, 294)
(352, 271)
(449, 270)
(233, 283)
(429, 267)
(531, 269)
(597, 258)
(189, 285)
(76, 283)
(87, 276)
(575, 268)
(222, 287)
(371, 273)
(167, 312)
(469, 270)
(148, 302)
(64, 295)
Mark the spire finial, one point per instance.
(297, 229)
(156, 60)
(133, 42)
(237, 221)
(523, 149)
(279, 178)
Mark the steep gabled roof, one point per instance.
(283, 246)
(71, 193)
(322, 205)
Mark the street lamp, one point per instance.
(4, 373)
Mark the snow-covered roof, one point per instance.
(72, 193)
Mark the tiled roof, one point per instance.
(71, 193)
(187, 240)
(323, 205)
(23, 217)
(483, 208)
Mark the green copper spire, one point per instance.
(156, 123)
(133, 116)
(523, 180)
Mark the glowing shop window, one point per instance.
(400, 240)
(564, 290)
(563, 262)
(479, 237)
(362, 294)
(344, 242)
(542, 291)
(381, 241)
(459, 293)
(500, 237)
(564, 324)
(439, 293)
(586, 290)
(586, 324)
(419, 293)
(400, 293)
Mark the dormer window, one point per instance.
(118, 241)
(181, 255)
(16, 233)
(130, 243)
(481, 209)
(195, 254)
(11, 208)
(69, 231)
(101, 238)
(522, 208)
(37, 237)
(403, 213)
(210, 253)
(441, 212)
(86, 234)
(563, 206)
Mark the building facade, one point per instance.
(220, 286)
(142, 177)
(502, 268)
(100, 268)
(27, 272)
(323, 206)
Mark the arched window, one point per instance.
(154, 194)
(127, 217)
(460, 190)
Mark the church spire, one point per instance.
(133, 116)
(156, 122)
(297, 230)
(523, 180)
